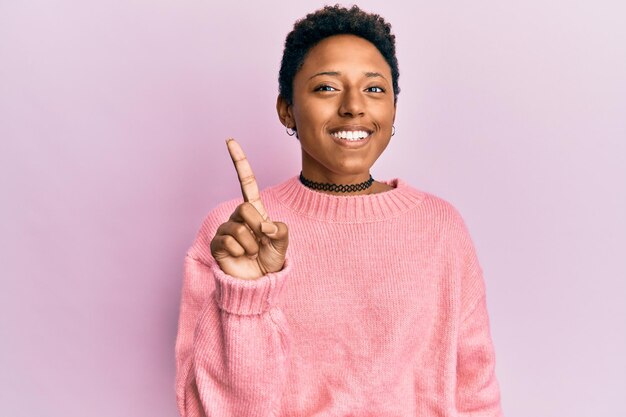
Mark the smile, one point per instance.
(351, 139)
(351, 135)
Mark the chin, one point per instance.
(359, 169)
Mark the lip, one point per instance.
(350, 127)
(351, 144)
(354, 144)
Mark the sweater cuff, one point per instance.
(247, 297)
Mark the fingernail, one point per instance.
(269, 228)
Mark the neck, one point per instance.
(326, 177)
(349, 188)
(338, 188)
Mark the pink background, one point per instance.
(113, 117)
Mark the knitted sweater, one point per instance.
(379, 310)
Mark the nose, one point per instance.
(352, 103)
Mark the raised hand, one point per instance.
(249, 245)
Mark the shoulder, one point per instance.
(431, 203)
(200, 249)
(445, 221)
(438, 211)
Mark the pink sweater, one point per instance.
(379, 310)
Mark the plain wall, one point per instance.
(113, 116)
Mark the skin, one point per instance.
(344, 81)
(249, 245)
(333, 89)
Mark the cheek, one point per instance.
(312, 116)
(384, 113)
(302, 112)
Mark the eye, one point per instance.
(379, 89)
(324, 87)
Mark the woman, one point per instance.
(367, 298)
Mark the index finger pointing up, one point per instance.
(249, 187)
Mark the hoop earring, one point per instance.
(393, 130)
(290, 133)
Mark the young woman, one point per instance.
(366, 298)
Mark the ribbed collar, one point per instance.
(348, 208)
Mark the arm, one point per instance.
(232, 343)
(477, 388)
(477, 393)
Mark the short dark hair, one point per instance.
(329, 21)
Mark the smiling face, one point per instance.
(342, 91)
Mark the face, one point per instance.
(344, 85)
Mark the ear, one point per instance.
(285, 114)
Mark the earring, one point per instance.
(393, 130)
(290, 131)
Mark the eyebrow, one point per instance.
(337, 73)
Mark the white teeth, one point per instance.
(351, 135)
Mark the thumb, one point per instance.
(277, 232)
(270, 229)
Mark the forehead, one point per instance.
(345, 51)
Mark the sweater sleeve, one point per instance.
(478, 392)
(232, 343)
(477, 388)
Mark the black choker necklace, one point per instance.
(336, 187)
